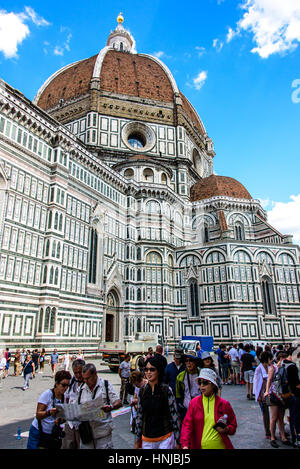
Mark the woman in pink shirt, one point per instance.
(200, 429)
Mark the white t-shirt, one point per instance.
(104, 426)
(234, 355)
(2, 363)
(47, 399)
(125, 369)
(66, 359)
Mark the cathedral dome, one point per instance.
(214, 185)
(117, 70)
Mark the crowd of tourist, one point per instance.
(172, 405)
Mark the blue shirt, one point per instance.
(54, 358)
(252, 352)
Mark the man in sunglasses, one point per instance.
(186, 386)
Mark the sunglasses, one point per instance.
(64, 385)
(152, 370)
(203, 382)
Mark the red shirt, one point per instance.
(192, 426)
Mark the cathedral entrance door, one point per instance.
(112, 318)
(109, 328)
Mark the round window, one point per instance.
(138, 137)
(136, 140)
(129, 173)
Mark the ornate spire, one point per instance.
(120, 18)
(121, 39)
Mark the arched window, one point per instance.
(148, 175)
(50, 220)
(56, 221)
(47, 248)
(239, 232)
(139, 295)
(206, 234)
(58, 251)
(60, 222)
(121, 46)
(189, 260)
(52, 320)
(138, 254)
(126, 326)
(154, 258)
(45, 274)
(138, 325)
(51, 275)
(56, 276)
(197, 161)
(164, 179)
(268, 295)
(41, 317)
(47, 319)
(139, 277)
(194, 298)
(153, 207)
(127, 295)
(93, 256)
(127, 273)
(53, 248)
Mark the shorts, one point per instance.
(248, 376)
(236, 367)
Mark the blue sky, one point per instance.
(236, 61)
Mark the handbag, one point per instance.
(274, 400)
(85, 429)
(85, 432)
(51, 440)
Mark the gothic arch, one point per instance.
(243, 250)
(235, 217)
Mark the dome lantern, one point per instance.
(120, 39)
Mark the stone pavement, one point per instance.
(18, 408)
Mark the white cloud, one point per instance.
(200, 80)
(14, 30)
(200, 50)
(58, 50)
(231, 34)
(35, 18)
(275, 25)
(218, 45)
(158, 54)
(286, 216)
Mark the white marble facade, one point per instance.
(87, 253)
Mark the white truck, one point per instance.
(113, 353)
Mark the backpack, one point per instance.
(281, 385)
